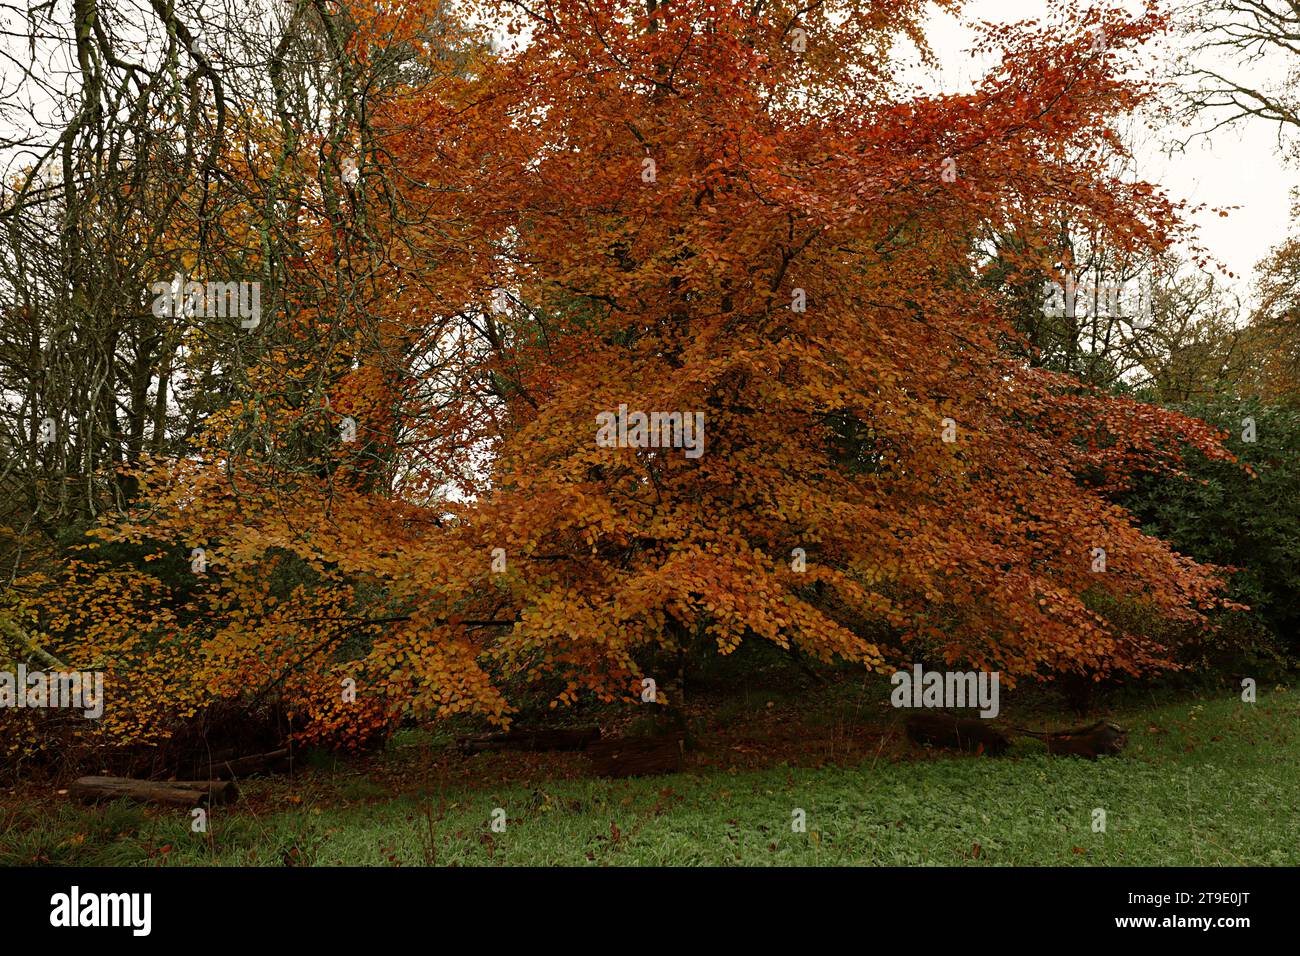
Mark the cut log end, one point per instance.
(1102, 739)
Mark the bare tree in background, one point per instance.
(146, 139)
(1240, 61)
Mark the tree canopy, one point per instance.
(729, 212)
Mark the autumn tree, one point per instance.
(243, 159)
(733, 214)
(1273, 335)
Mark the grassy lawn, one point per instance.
(1203, 782)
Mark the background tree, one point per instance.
(1273, 336)
(1233, 54)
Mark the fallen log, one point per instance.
(185, 793)
(1096, 740)
(979, 736)
(575, 738)
(969, 734)
(637, 756)
(236, 767)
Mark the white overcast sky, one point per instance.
(1238, 166)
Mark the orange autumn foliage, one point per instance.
(627, 210)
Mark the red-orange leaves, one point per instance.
(699, 220)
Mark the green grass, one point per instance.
(1210, 782)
